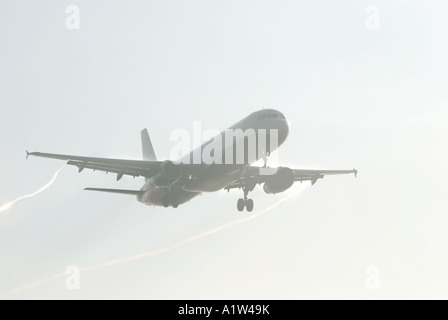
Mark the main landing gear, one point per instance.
(170, 200)
(248, 203)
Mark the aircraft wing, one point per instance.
(256, 175)
(314, 175)
(121, 167)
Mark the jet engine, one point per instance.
(282, 180)
(169, 174)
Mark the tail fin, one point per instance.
(148, 151)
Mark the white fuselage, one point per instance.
(209, 177)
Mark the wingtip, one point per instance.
(27, 154)
(355, 172)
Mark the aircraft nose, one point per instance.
(281, 126)
(283, 130)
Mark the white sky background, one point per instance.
(375, 100)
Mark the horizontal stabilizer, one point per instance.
(133, 192)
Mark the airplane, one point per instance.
(172, 183)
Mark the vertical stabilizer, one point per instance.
(147, 149)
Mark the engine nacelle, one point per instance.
(282, 180)
(169, 174)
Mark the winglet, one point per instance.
(27, 154)
(355, 172)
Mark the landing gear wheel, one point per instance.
(166, 201)
(249, 205)
(240, 204)
(175, 203)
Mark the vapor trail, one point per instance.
(154, 252)
(183, 242)
(8, 205)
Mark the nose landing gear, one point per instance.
(265, 159)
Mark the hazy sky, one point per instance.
(356, 97)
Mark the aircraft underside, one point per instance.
(214, 178)
(164, 197)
